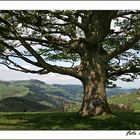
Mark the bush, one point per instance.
(121, 107)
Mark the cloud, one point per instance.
(135, 84)
(61, 79)
(51, 78)
(27, 67)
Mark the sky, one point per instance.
(53, 78)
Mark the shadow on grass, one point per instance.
(68, 121)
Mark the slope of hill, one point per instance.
(17, 104)
(7, 89)
(127, 100)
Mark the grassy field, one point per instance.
(68, 121)
(72, 121)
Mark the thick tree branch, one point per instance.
(124, 71)
(122, 48)
(44, 65)
(69, 46)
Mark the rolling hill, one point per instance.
(43, 97)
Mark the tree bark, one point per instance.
(94, 81)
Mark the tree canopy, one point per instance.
(60, 36)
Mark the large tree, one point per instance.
(104, 43)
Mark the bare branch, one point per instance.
(18, 53)
(22, 69)
(127, 13)
(71, 20)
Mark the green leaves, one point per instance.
(54, 55)
(2, 48)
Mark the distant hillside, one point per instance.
(17, 104)
(71, 92)
(117, 91)
(51, 96)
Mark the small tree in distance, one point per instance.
(105, 43)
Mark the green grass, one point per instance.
(127, 99)
(124, 98)
(68, 121)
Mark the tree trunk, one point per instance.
(95, 100)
